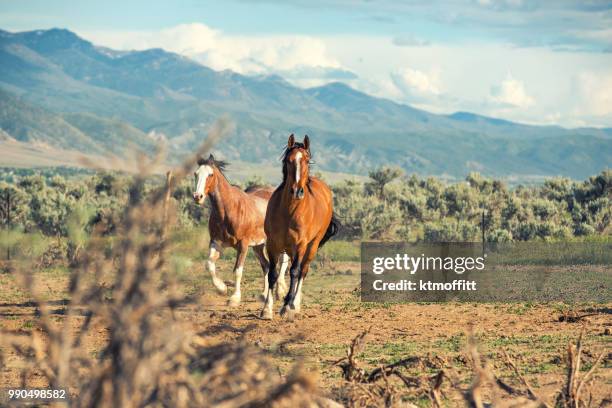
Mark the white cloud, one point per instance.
(511, 92)
(501, 3)
(242, 54)
(603, 34)
(415, 83)
(594, 94)
(409, 41)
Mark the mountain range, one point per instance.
(60, 90)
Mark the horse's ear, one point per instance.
(201, 161)
(307, 143)
(291, 141)
(211, 157)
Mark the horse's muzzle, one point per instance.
(197, 197)
(298, 193)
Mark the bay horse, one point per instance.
(236, 220)
(299, 220)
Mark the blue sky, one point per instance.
(535, 61)
(237, 17)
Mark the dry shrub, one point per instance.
(485, 380)
(54, 255)
(377, 388)
(150, 356)
(573, 316)
(575, 393)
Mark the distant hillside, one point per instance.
(111, 134)
(27, 123)
(84, 132)
(95, 99)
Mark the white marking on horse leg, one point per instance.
(281, 286)
(264, 293)
(235, 299)
(267, 312)
(297, 300)
(219, 284)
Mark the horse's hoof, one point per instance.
(290, 314)
(220, 287)
(233, 302)
(266, 314)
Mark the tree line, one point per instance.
(388, 206)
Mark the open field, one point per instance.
(333, 315)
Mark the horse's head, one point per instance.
(296, 165)
(206, 177)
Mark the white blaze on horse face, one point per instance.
(203, 173)
(298, 162)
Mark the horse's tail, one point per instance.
(332, 229)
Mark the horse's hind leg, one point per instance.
(238, 267)
(281, 286)
(212, 258)
(259, 252)
(266, 312)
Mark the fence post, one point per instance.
(167, 195)
(8, 221)
(483, 229)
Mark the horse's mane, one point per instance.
(211, 161)
(220, 164)
(285, 156)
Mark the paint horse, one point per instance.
(236, 220)
(299, 220)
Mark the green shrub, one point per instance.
(387, 207)
(450, 230)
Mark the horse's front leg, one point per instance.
(299, 269)
(294, 283)
(297, 300)
(212, 269)
(281, 286)
(242, 249)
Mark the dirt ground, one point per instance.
(333, 315)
